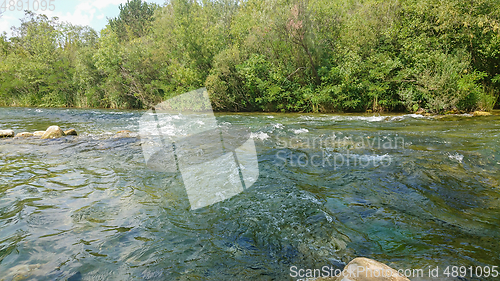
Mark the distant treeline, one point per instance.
(263, 55)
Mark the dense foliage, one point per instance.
(264, 55)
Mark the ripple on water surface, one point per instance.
(86, 207)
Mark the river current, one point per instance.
(410, 191)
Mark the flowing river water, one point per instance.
(413, 192)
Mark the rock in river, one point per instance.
(70, 132)
(24, 135)
(364, 269)
(420, 111)
(6, 133)
(125, 134)
(38, 133)
(20, 272)
(481, 113)
(53, 132)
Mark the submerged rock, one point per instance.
(53, 132)
(364, 269)
(481, 113)
(6, 133)
(453, 111)
(38, 133)
(70, 132)
(20, 272)
(420, 111)
(125, 134)
(24, 135)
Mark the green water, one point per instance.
(416, 193)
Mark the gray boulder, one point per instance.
(364, 269)
(481, 113)
(6, 133)
(125, 134)
(24, 135)
(53, 132)
(38, 133)
(70, 132)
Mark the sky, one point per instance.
(79, 12)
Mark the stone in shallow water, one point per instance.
(20, 272)
(481, 113)
(53, 132)
(6, 133)
(38, 133)
(24, 135)
(364, 269)
(70, 132)
(125, 134)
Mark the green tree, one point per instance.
(279, 55)
(134, 19)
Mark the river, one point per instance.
(410, 191)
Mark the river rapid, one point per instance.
(410, 191)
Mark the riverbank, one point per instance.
(422, 112)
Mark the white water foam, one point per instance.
(259, 135)
(457, 156)
(300, 131)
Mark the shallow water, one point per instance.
(412, 192)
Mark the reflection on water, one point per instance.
(87, 207)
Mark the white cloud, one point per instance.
(6, 22)
(100, 4)
(4, 25)
(83, 12)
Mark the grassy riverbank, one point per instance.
(275, 56)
